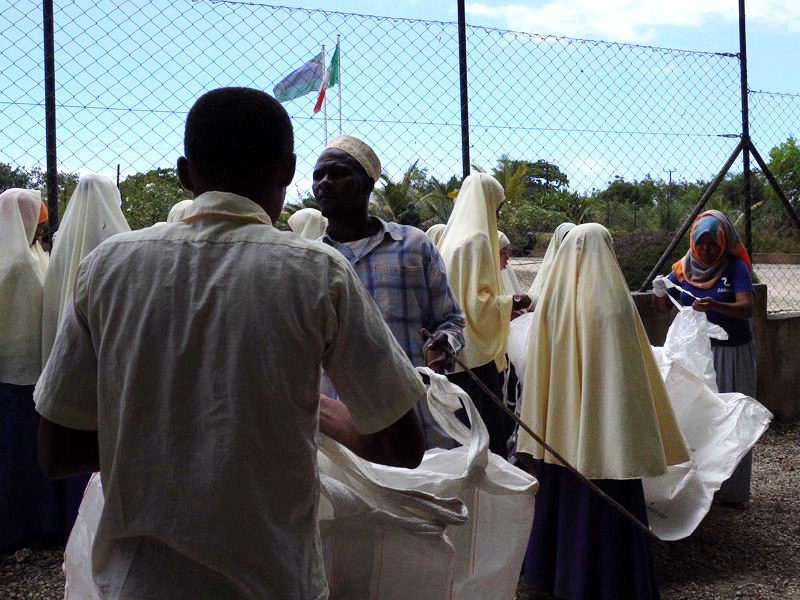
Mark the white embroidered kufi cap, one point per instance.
(360, 151)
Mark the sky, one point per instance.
(773, 26)
(127, 72)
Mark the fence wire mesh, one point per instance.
(622, 134)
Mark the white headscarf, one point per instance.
(508, 278)
(308, 223)
(20, 288)
(471, 254)
(435, 232)
(93, 215)
(179, 210)
(549, 256)
(592, 388)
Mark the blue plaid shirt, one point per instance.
(404, 274)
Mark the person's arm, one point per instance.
(394, 446)
(660, 291)
(447, 319)
(65, 452)
(376, 382)
(66, 395)
(742, 308)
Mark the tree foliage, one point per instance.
(147, 197)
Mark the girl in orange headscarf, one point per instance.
(717, 273)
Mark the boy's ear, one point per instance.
(287, 170)
(184, 176)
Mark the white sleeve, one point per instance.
(66, 392)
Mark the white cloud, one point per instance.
(633, 20)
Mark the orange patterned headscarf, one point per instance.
(704, 276)
(43, 213)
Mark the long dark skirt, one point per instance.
(736, 372)
(30, 504)
(497, 422)
(581, 548)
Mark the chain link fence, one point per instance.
(616, 133)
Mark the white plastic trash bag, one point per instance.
(718, 428)
(518, 343)
(377, 541)
(688, 342)
(490, 548)
(78, 553)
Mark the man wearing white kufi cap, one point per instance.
(398, 264)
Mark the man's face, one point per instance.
(340, 185)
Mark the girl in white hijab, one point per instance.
(93, 215)
(549, 256)
(308, 223)
(470, 249)
(508, 278)
(594, 393)
(30, 504)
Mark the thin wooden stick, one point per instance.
(621, 509)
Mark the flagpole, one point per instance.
(324, 104)
(339, 74)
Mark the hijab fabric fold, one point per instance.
(508, 278)
(20, 288)
(471, 253)
(92, 216)
(308, 223)
(549, 256)
(690, 268)
(592, 388)
(434, 232)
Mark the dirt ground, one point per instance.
(751, 553)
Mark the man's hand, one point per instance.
(401, 444)
(436, 356)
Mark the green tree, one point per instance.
(147, 197)
(785, 165)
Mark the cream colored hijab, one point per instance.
(308, 223)
(549, 256)
(93, 215)
(508, 278)
(179, 210)
(471, 254)
(20, 288)
(592, 388)
(435, 232)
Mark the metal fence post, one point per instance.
(747, 200)
(50, 113)
(462, 68)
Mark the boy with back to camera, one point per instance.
(187, 372)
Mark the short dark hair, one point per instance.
(232, 134)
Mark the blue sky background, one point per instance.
(127, 72)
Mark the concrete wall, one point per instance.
(777, 343)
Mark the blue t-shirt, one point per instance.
(736, 278)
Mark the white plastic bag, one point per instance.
(518, 343)
(719, 429)
(688, 342)
(78, 553)
(490, 548)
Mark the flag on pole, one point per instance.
(331, 78)
(300, 81)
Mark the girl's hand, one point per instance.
(704, 304)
